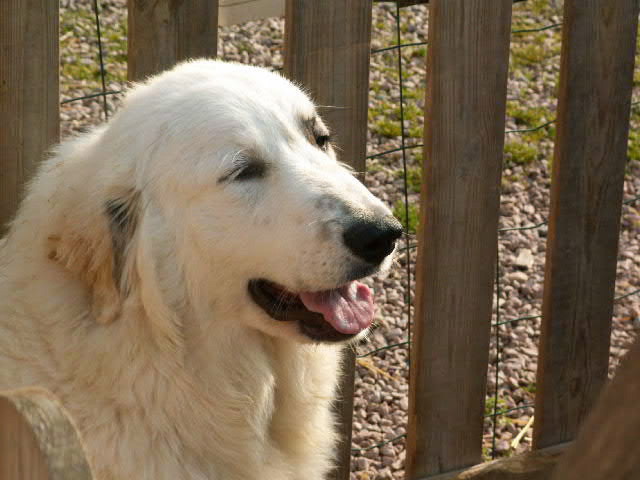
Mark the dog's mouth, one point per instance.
(328, 316)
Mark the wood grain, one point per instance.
(29, 112)
(607, 447)
(596, 78)
(38, 441)
(464, 137)
(165, 32)
(327, 48)
(536, 465)
(407, 3)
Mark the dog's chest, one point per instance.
(236, 421)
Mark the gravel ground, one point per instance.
(381, 402)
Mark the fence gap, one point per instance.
(29, 95)
(464, 137)
(596, 78)
(327, 47)
(165, 32)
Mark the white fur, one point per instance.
(171, 371)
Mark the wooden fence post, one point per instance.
(467, 66)
(596, 78)
(38, 441)
(607, 447)
(327, 46)
(164, 32)
(29, 110)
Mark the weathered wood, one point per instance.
(607, 447)
(38, 441)
(164, 32)
(29, 112)
(407, 3)
(596, 78)
(536, 465)
(344, 414)
(457, 245)
(327, 48)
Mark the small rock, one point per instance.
(524, 259)
(384, 474)
(387, 460)
(362, 463)
(502, 446)
(372, 454)
(517, 276)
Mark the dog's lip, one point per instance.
(284, 305)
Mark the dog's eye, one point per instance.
(252, 171)
(323, 141)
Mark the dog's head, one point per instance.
(226, 180)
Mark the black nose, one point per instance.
(372, 239)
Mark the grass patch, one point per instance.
(519, 153)
(490, 405)
(527, 55)
(634, 145)
(401, 214)
(414, 178)
(527, 117)
(387, 128)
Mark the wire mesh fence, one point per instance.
(94, 68)
(512, 413)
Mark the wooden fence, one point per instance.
(327, 47)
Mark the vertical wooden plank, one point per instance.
(464, 138)
(327, 47)
(29, 112)
(164, 32)
(20, 456)
(588, 172)
(607, 447)
(37, 439)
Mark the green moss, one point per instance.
(519, 153)
(387, 128)
(412, 93)
(411, 111)
(417, 155)
(541, 7)
(400, 213)
(528, 54)
(419, 52)
(414, 179)
(634, 145)
(373, 167)
(80, 71)
(415, 132)
(490, 405)
(527, 116)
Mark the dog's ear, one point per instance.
(95, 246)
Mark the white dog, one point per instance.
(184, 279)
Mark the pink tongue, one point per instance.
(348, 309)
